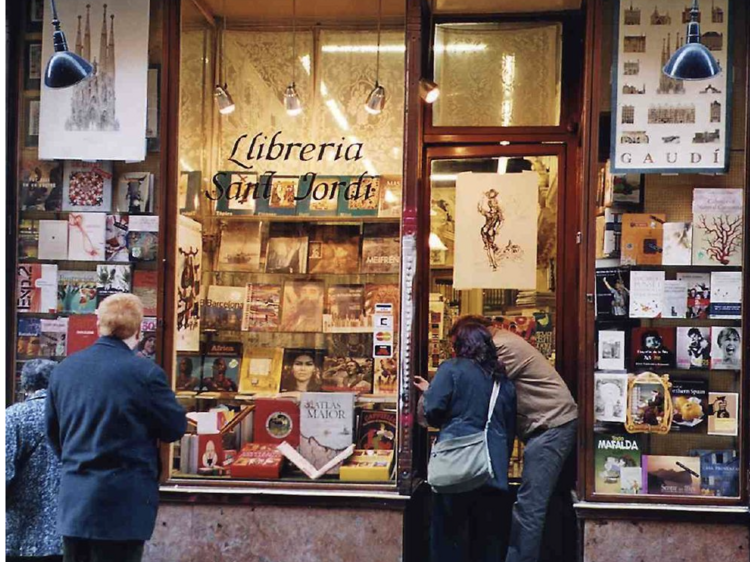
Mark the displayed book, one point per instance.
(222, 309)
(717, 226)
(302, 369)
(189, 367)
(54, 337)
(240, 193)
(690, 405)
(87, 186)
(613, 455)
(53, 240)
(698, 293)
(377, 429)
(646, 294)
(653, 348)
(672, 476)
(726, 348)
(36, 288)
(722, 413)
(626, 188)
(319, 195)
(693, 347)
(82, 332)
(345, 309)
(612, 293)
(334, 249)
(726, 295)
(610, 397)
(116, 238)
(276, 421)
(545, 334)
(385, 377)
(41, 185)
(609, 234)
(361, 197)
(221, 366)
(28, 239)
(257, 461)
(326, 426)
(675, 303)
(367, 466)
(390, 196)
(261, 369)
(261, 310)
(720, 472)
(678, 243)
(282, 195)
(347, 374)
(143, 237)
(378, 294)
(146, 346)
(307, 467)
(135, 193)
(642, 239)
(286, 254)
(611, 350)
(145, 288)
(381, 255)
(28, 342)
(86, 236)
(210, 451)
(240, 247)
(354, 344)
(77, 292)
(302, 307)
(112, 279)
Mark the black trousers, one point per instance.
(469, 527)
(34, 559)
(88, 550)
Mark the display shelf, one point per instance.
(295, 218)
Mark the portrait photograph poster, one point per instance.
(660, 124)
(189, 271)
(496, 231)
(104, 116)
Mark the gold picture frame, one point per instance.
(649, 404)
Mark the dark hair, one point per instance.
(473, 340)
(650, 334)
(35, 374)
(725, 333)
(694, 332)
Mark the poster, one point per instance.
(104, 116)
(189, 256)
(660, 124)
(496, 231)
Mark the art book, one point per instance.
(326, 426)
(86, 236)
(726, 348)
(693, 347)
(611, 350)
(385, 379)
(135, 193)
(698, 293)
(717, 227)
(615, 453)
(82, 332)
(112, 279)
(690, 405)
(612, 294)
(361, 197)
(382, 294)
(672, 476)
(53, 240)
(146, 346)
(276, 421)
(188, 372)
(376, 430)
(302, 370)
(28, 239)
(116, 238)
(720, 472)
(36, 288)
(675, 303)
(334, 249)
(610, 397)
(261, 370)
(143, 237)
(222, 309)
(678, 243)
(653, 348)
(646, 294)
(726, 295)
(322, 195)
(367, 465)
(145, 288)
(345, 309)
(41, 185)
(257, 461)
(642, 238)
(347, 374)
(722, 413)
(261, 310)
(240, 248)
(77, 291)
(240, 193)
(302, 309)
(54, 337)
(87, 186)
(282, 193)
(381, 255)
(221, 366)
(286, 254)
(390, 196)
(28, 343)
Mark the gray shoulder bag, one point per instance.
(463, 463)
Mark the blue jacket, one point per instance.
(105, 411)
(457, 403)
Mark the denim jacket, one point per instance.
(457, 403)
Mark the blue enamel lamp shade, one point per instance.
(64, 69)
(692, 61)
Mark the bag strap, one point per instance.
(493, 401)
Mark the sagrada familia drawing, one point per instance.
(93, 104)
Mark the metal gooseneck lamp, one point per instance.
(64, 69)
(376, 99)
(292, 103)
(223, 98)
(692, 61)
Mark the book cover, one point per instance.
(390, 196)
(381, 255)
(54, 337)
(189, 367)
(135, 193)
(28, 239)
(112, 279)
(678, 243)
(87, 186)
(144, 287)
(257, 460)
(241, 192)
(326, 426)
(349, 344)
(720, 472)
(302, 370)
(86, 236)
(286, 254)
(82, 332)
(385, 378)
(698, 293)
(240, 248)
(276, 421)
(653, 348)
(210, 451)
(261, 370)
(361, 197)
(611, 350)
(221, 366)
(347, 374)
(726, 295)
(367, 465)
(41, 185)
(320, 195)
(282, 195)
(675, 301)
(722, 413)
(690, 405)
(610, 397)
(334, 249)
(261, 310)
(612, 293)
(626, 188)
(53, 240)
(642, 239)
(28, 342)
(345, 309)
(146, 346)
(302, 309)
(646, 294)
(376, 430)
(726, 348)
(116, 238)
(382, 294)
(77, 292)
(693, 347)
(613, 454)
(717, 227)
(672, 476)
(36, 288)
(222, 309)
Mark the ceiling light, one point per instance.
(376, 98)
(429, 91)
(292, 103)
(692, 61)
(64, 69)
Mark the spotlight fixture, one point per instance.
(223, 98)
(376, 98)
(692, 61)
(429, 91)
(292, 103)
(64, 69)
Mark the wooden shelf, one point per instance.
(296, 218)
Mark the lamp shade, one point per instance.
(692, 61)
(292, 103)
(224, 100)
(65, 69)
(376, 100)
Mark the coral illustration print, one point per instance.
(723, 234)
(492, 212)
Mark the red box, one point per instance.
(257, 460)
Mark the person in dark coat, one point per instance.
(106, 411)
(32, 474)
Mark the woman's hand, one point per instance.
(421, 384)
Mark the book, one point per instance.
(698, 293)
(53, 240)
(261, 310)
(276, 421)
(376, 430)
(612, 293)
(610, 397)
(145, 288)
(41, 185)
(28, 342)
(302, 309)
(345, 309)
(282, 195)
(28, 239)
(77, 292)
(653, 348)
(717, 226)
(189, 367)
(221, 366)
(347, 374)
(678, 243)
(334, 249)
(326, 426)
(87, 186)
(112, 279)
(726, 295)
(626, 188)
(320, 194)
(613, 454)
(642, 238)
(693, 347)
(720, 472)
(307, 467)
(675, 303)
(36, 288)
(302, 370)
(726, 348)
(86, 236)
(690, 405)
(646, 294)
(381, 255)
(257, 460)
(135, 193)
(261, 369)
(286, 254)
(385, 377)
(116, 238)
(379, 294)
(146, 346)
(240, 248)
(367, 466)
(361, 197)
(609, 234)
(722, 413)
(390, 196)
(54, 337)
(354, 344)
(222, 309)
(82, 332)
(671, 475)
(240, 194)
(210, 451)
(611, 350)
(143, 237)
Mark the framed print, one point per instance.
(661, 124)
(31, 122)
(650, 407)
(153, 111)
(35, 15)
(33, 66)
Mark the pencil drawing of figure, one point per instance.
(490, 209)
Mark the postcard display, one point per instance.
(287, 310)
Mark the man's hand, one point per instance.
(421, 384)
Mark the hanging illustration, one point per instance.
(189, 255)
